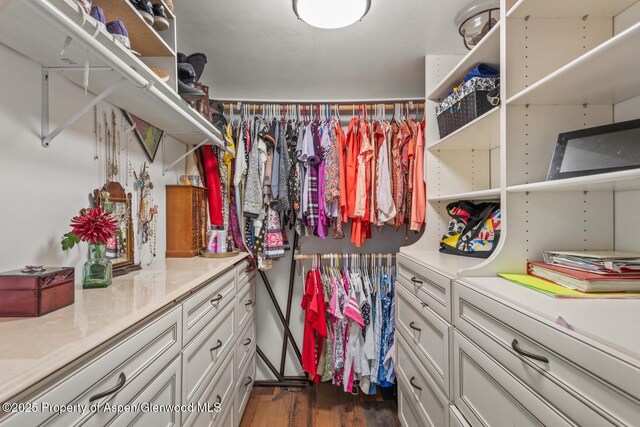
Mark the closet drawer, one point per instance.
(427, 334)
(228, 419)
(427, 285)
(218, 394)
(163, 390)
(456, 419)
(140, 357)
(425, 394)
(409, 413)
(242, 275)
(243, 388)
(572, 378)
(488, 395)
(246, 304)
(246, 345)
(205, 351)
(205, 304)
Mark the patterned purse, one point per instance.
(474, 229)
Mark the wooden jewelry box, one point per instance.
(33, 293)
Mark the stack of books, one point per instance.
(599, 274)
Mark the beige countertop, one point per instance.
(34, 348)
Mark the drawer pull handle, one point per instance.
(525, 353)
(217, 346)
(218, 399)
(248, 304)
(247, 341)
(413, 326)
(416, 281)
(425, 305)
(216, 299)
(249, 381)
(122, 379)
(413, 385)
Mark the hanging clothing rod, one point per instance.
(340, 256)
(322, 101)
(343, 108)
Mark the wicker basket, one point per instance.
(465, 105)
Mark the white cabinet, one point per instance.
(190, 353)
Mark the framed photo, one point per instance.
(149, 136)
(596, 150)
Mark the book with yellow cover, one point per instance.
(558, 291)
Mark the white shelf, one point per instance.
(481, 134)
(604, 75)
(491, 194)
(614, 181)
(38, 30)
(445, 264)
(568, 8)
(487, 51)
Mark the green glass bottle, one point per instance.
(97, 272)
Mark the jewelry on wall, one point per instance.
(147, 210)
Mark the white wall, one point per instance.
(42, 188)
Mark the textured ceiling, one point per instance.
(259, 50)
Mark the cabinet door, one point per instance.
(456, 418)
(427, 285)
(244, 387)
(206, 351)
(408, 412)
(426, 398)
(488, 395)
(160, 395)
(427, 333)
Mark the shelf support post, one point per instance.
(47, 136)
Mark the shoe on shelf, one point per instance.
(145, 9)
(161, 22)
(98, 14)
(163, 75)
(187, 83)
(169, 4)
(85, 5)
(198, 61)
(119, 32)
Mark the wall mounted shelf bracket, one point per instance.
(47, 136)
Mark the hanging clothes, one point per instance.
(315, 325)
(212, 178)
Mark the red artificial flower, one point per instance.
(94, 226)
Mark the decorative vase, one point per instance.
(97, 271)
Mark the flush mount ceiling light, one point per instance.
(476, 19)
(331, 14)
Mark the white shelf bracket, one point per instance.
(47, 136)
(179, 159)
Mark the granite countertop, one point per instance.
(34, 348)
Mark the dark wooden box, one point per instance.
(36, 294)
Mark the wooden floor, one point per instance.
(322, 405)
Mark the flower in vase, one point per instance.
(93, 226)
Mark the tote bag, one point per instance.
(474, 229)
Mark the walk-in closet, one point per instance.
(320, 213)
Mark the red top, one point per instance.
(315, 324)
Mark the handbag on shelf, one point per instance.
(474, 229)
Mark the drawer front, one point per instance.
(409, 413)
(456, 419)
(206, 350)
(205, 304)
(228, 420)
(242, 275)
(575, 390)
(246, 345)
(163, 390)
(218, 393)
(427, 396)
(488, 395)
(428, 286)
(244, 387)
(427, 334)
(139, 357)
(246, 304)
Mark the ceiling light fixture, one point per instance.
(476, 19)
(331, 14)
